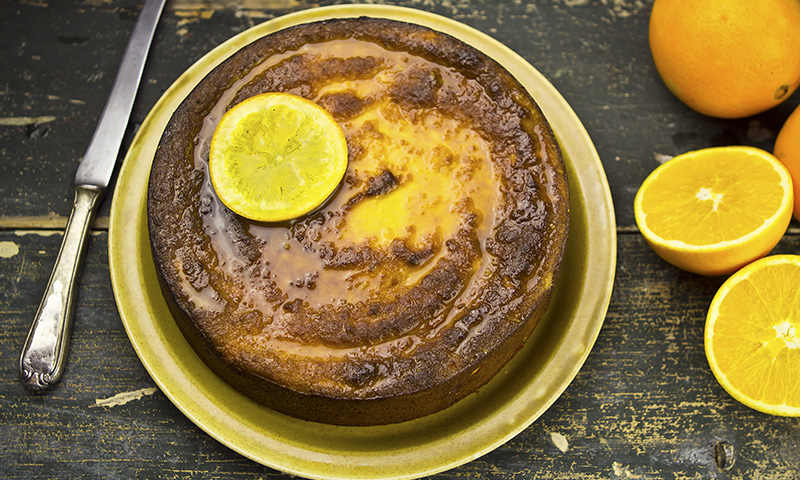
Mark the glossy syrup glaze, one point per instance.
(420, 276)
(435, 176)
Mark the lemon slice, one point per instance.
(276, 156)
(714, 210)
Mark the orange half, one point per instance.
(715, 210)
(752, 335)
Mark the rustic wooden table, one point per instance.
(645, 404)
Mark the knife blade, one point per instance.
(43, 356)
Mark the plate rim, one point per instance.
(571, 134)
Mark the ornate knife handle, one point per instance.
(44, 355)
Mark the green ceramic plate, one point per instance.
(516, 397)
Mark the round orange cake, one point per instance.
(423, 273)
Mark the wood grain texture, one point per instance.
(644, 406)
(63, 57)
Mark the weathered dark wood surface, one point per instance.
(645, 405)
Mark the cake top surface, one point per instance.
(447, 229)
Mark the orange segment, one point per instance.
(714, 210)
(276, 156)
(752, 335)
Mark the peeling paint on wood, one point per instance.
(661, 158)
(124, 397)
(27, 225)
(8, 249)
(238, 4)
(622, 471)
(195, 14)
(560, 441)
(25, 121)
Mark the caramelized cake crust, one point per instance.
(419, 278)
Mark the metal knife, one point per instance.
(42, 360)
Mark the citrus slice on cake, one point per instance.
(276, 156)
(752, 335)
(712, 211)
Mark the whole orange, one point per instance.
(787, 150)
(727, 58)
